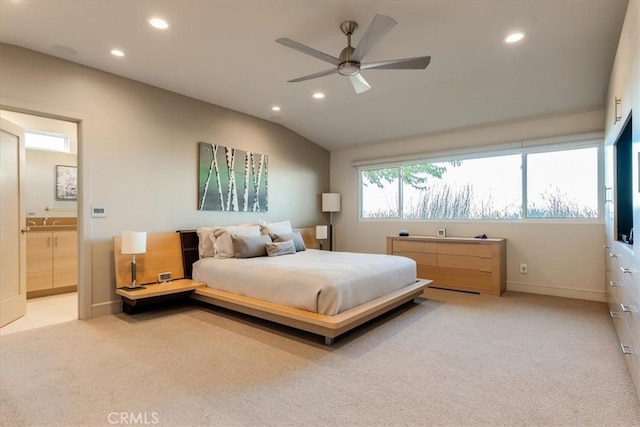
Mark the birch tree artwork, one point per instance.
(231, 180)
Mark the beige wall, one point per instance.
(138, 157)
(564, 258)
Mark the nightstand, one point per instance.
(157, 293)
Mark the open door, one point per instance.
(13, 287)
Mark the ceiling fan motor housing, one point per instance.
(348, 67)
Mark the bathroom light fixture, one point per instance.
(117, 52)
(275, 108)
(133, 242)
(318, 95)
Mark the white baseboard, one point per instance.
(105, 308)
(557, 292)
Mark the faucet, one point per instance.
(55, 222)
(44, 221)
(33, 223)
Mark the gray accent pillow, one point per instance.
(249, 246)
(280, 248)
(298, 241)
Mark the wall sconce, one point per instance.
(321, 234)
(133, 242)
(331, 204)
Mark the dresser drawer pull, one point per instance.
(614, 284)
(626, 349)
(625, 270)
(615, 315)
(628, 308)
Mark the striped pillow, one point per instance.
(280, 248)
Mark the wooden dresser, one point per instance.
(466, 264)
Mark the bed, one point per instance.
(322, 292)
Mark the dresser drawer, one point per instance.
(420, 259)
(414, 246)
(468, 280)
(478, 250)
(465, 262)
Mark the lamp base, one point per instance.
(134, 288)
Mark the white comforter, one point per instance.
(319, 281)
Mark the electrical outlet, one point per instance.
(524, 269)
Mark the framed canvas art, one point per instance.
(66, 182)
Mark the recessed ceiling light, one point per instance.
(159, 23)
(318, 95)
(275, 108)
(514, 37)
(117, 52)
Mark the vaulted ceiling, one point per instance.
(224, 53)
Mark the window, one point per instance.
(380, 193)
(46, 141)
(464, 189)
(563, 184)
(556, 182)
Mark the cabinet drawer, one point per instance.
(478, 250)
(420, 259)
(466, 262)
(456, 278)
(414, 246)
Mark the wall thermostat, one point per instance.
(98, 212)
(164, 277)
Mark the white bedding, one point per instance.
(319, 281)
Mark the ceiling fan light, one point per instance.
(349, 68)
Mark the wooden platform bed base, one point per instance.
(328, 326)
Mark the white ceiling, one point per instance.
(224, 52)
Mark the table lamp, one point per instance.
(133, 242)
(321, 234)
(331, 203)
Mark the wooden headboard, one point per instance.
(189, 244)
(164, 254)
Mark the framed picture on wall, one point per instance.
(66, 182)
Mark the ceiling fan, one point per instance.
(349, 63)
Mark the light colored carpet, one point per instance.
(454, 360)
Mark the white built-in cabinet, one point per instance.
(623, 259)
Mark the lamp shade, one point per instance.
(321, 232)
(134, 242)
(330, 202)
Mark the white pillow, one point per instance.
(205, 241)
(221, 238)
(282, 227)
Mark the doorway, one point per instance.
(51, 211)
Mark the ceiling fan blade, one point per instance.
(418, 63)
(313, 76)
(378, 28)
(359, 83)
(308, 50)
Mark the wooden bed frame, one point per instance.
(328, 326)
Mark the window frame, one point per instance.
(523, 148)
